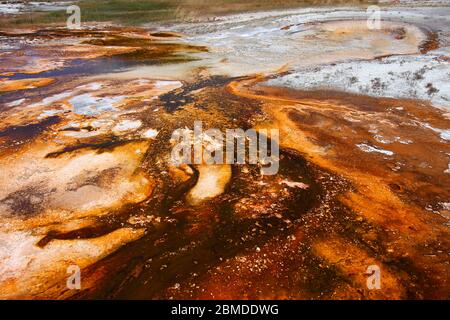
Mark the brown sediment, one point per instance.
(153, 46)
(132, 44)
(309, 232)
(432, 42)
(166, 34)
(44, 213)
(22, 133)
(392, 191)
(24, 84)
(269, 241)
(348, 259)
(200, 238)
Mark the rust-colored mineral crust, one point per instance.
(87, 179)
